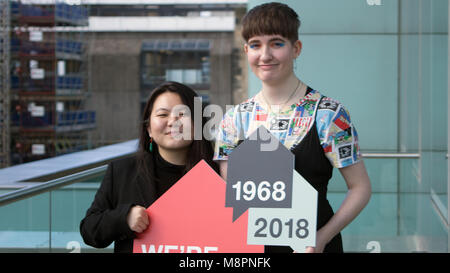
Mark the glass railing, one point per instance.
(400, 217)
(45, 217)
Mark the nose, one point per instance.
(266, 54)
(173, 119)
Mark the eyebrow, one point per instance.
(162, 109)
(271, 40)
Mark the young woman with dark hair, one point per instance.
(194, 152)
(167, 150)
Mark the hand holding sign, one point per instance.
(137, 219)
(191, 217)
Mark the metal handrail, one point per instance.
(30, 191)
(391, 155)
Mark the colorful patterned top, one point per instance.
(337, 134)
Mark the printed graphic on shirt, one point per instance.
(261, 114)
(345, 151)
(228, 127)
(224, 151)
(310, 105)
(329, 104)
(344, 136)
(246, 107)
(300, 125)
(337, 134)
(279, 124)
(342, 120)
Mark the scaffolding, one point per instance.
(47, 81)
(4, 83)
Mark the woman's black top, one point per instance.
(167, 174)
(312, 164)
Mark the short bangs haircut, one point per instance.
(271, 19)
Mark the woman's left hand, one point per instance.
(316, 249)
(320, 244)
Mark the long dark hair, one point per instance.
(198, 150)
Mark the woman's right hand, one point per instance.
(137, 219)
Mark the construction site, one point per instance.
(44, 81)
(73, 79)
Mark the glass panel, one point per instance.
(49, 222)
(25, 225)
(182, 66)
(174, 75)
(399, 216)
(69, 206)
(190, 76)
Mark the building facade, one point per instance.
(196, 44)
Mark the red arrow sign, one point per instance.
(191, 217)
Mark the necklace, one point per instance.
(282, 105)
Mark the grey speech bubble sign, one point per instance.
(294, 227)
(259, 178)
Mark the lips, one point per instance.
(267, 66)
(174, 134)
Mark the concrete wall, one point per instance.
(114, 85)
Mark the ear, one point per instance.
(246, 48)
(148, 131)
(297, 48)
